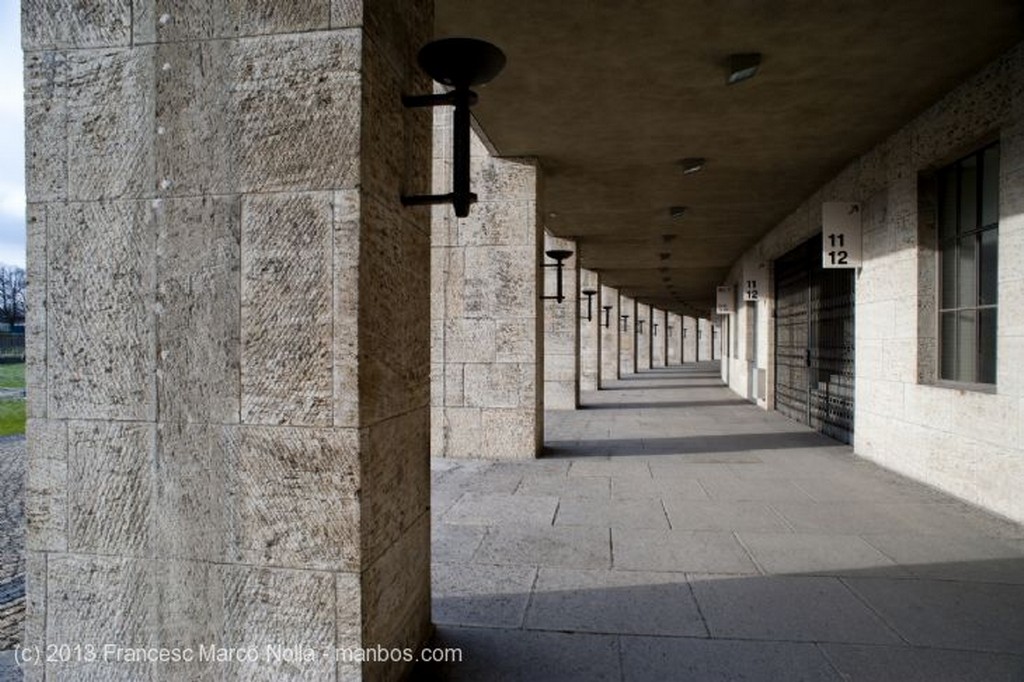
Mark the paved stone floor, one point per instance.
(12, 554)
(676, 532)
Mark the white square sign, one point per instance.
(724, 300)
(840, 235)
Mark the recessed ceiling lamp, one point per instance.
(693, 164)
(667, 238)
(676, 212)
(742, 67)
(664, 255)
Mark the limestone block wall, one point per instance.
(659, 337)
(228, 361)
(485, 310)
(965, 442)
(673, 339)
(643, 337)
(562, 330)
(589, 332)
(689, 339)
(627, 336)
(610, 338)
(705, 337)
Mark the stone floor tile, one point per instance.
(816, 554)
(670, 550)
(481, 595)
(565, 546)
(665, 658)
(525, 656)
(905, 664)
(966, 558)
(642, 513)
(502, 509)
(452, 543)
(632, 488)
(737, 489)
(689, 514)
(790, 608)
(565, 486)
(638, 603)
(627, 466)
(947, 614)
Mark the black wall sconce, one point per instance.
(558, 255)
(625, 322)
(589, 293)
(607, 316)
(654, 328)
(640, 326)
(458, 63)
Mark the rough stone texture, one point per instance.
(561, 330)
(627, 335)
(642, 336)
(659, 337)
(228, 357)
(608, 366)
(487, 338)
(689, 339)
(964, 442)
(589, 358)
(673, 339)
(705, 340)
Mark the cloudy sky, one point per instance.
(12, 138)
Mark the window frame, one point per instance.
(978, 155)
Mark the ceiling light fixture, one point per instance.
(743, 67)
(458, 63)
(676, 212)
(693, 164)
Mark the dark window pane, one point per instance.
(990, 188)
(968, 194)
(966, 346)
(987, 346)
(947, 209)
(988, 267)
(967, 273)
(948, 282)
(948, 343)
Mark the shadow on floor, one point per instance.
(684, 445)
(661, 386)
(664, 405)
(953, 622)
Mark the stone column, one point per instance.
(704, 338)
(627, 339)
(589, 358)
(561, 331)
(643, 337)
(674, 340)
(689, 339)
(486, 314)
(658, 337)
(229, 368)
(609, 365)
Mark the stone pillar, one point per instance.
(229, 368)
(689, 339)
(643, 337)
(704, 338)
(561, 331)
(609, 365)
(674, 340)
(486, 315)
(658, 337)
(627, 338)
(589, 358)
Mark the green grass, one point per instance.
(12, 417)
(12, 376)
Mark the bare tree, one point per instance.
(12, 294)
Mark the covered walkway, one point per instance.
(676, 532)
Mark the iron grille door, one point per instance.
(814, 342)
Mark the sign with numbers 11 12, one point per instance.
(840, 235)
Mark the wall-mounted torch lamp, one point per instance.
(558, 255)
(670, 328)
(640, 326)
(625, 322)
(589, 293)
(607, 316)
(654, 328)
(458, 63)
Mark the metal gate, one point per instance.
(814, 339)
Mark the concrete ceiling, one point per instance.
(610, 95)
